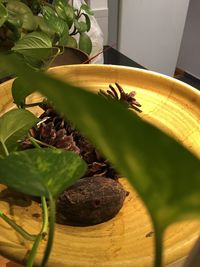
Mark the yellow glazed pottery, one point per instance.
(127, 239)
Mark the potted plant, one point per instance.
(39, 30)
(125, 146)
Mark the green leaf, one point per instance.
(87, 21)
(81, 26)
(67, 40)
(3, 14)
(87, 9)
(54, 22)
(21, 12)
(14, 125)
(20, 92)
(69, 11)
(64, 10)
(15, 21)
(33, 40)
(39, 172)
(85, 43)
(60, 7)
(39, 58)
(36, 48)
(43, 26)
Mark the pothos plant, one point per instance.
(165, 174)
(36, 28)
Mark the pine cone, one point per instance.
(55, 131)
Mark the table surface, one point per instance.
(114, 57)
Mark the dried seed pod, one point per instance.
(91, 200)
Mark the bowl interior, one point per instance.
(127, 239)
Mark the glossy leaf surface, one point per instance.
(87, 9)
(67, 40)
(14, 125)
(39, 58)
(33, 40)
(81, 26)
(42, 25)
(64, 11)
(36, 48)
(85, 43)
(87, 21)
(39, 172)
(55, 23)
(19, 11)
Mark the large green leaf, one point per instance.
(33, 40)
(3, 14)
(165, 174)
(39, 172)
(36, 48)
(87, 21)
(87, 9)
(14, 125)
(43, 26)
(20, 91)
(18, 11)
(55, 22)
(85, 43)
(67, 40)
(39, 58)
(81, 26)
(64, 10)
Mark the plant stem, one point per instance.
(33, 141)
(54, 57)
(41, 235)
(158, 247)
(5, 149)
(33, 251)
(45, 216)
(51, 231)
(17, 228)
(36, 143)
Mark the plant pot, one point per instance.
(127, 239)
(70, 56)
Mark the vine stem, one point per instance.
(158, 243)
(34, 142)
(5, 149)
(41, 235)
(37, 143)
(158, 248)
(52, 205)
(17, 228)
(33, 251)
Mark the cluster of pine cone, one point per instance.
(98, 196)
(57, 132)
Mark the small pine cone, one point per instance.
(47, 132)
(60, 133)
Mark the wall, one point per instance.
(100, 8)
(189, 57)
(113, 22)
(150, 32)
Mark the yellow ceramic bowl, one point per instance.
(127, 239)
